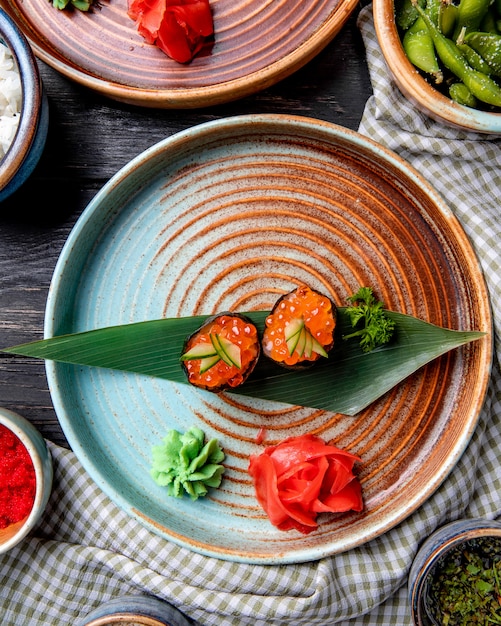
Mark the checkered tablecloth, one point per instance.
(86, 550)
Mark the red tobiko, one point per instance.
(178, 27)
(302, 477)
(17, 479)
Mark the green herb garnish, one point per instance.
(185, 464)
(465, 587)
(81, 5)
(377, 327)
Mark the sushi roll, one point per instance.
(300, 328)
(222, 353)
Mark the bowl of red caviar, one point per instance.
(25, 478)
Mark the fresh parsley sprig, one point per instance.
(377, 328)
(81, 5)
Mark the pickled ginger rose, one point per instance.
(178, 27)
(302, 477)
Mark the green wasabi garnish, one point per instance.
(185, 464)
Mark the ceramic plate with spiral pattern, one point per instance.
(256, 44)
(229, 215)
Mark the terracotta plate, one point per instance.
(257, 43)
(228, 216)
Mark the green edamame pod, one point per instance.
(419, 48)
(405, 14)
(488, 46)
(432, 8)
(474, 59)
(470, 14)
(480, 85)
(460, 93)
(418, 25)
(447, 16)
(488, 24)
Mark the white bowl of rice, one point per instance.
(24, 115)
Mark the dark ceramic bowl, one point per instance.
(27, 146)
(435, 549)
(134, 611)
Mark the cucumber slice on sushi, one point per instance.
(300, 328)
(222, 353)
(226, 350)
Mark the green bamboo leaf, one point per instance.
(347, 382)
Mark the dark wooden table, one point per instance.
(90, 138)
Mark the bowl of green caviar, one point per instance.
(455, 578)
(445, 57)
(26, 475)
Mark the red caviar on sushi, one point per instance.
(300, 328)
(222, 353)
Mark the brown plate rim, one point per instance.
(195, 97)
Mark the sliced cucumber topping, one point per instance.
(299, 339)
(199, 351)
(308, 346)
(227, 351)
(293, 332)
(301, 344)
(318, 347)
(209, 354)
(208, 362)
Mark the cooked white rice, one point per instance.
(10, 98)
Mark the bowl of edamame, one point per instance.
(445, 57)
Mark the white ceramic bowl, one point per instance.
(436, 547)
(42, 462)
(29, 141)
(421, 93)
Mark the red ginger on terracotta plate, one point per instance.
(178, 27)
